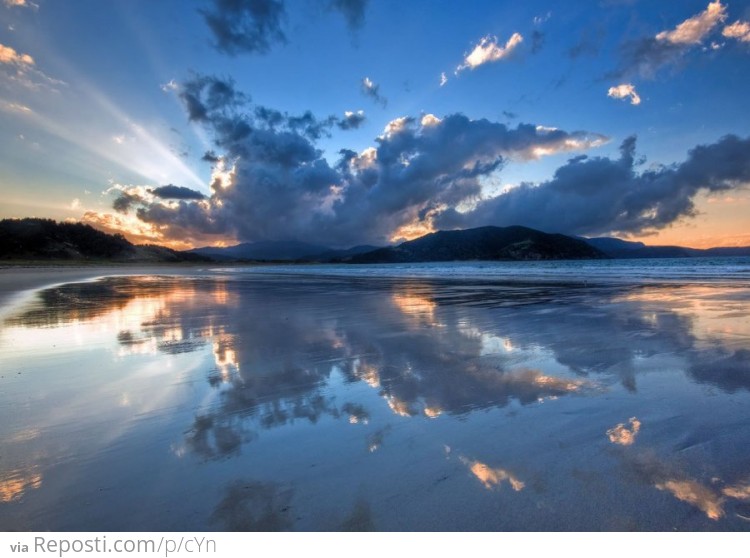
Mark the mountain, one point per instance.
(340, 255)
(285, 250)
(45, 239)
(483, 243)
(624, 249)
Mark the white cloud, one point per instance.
(443, 79)
(538, 20)
(396, 125)
(739, 30)
(16, 107)
(545, 129)
(489, 51)
(9, 55)
(20, 4)
(171, 85)
(694, 29)
(625, 91)
(430, 120)
(75, 204)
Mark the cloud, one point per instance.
(9, 55)
(489, 51)
(172, 192)
(352, 120)
(593, 196)
(246, 26)
(372, 90)
(739, 30)
(171, 85)
(21, 4)
(21, 68)
(352, 10)
(15, 107)
(210, 157)
(538, 20)
(443, 79)
(693, 30)
(206, 93)
(271, 181)
(646, 56)
(625, 91)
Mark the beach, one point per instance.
(419, 398)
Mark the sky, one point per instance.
(346, 122)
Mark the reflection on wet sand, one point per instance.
(708, 497)
(266, 357)
(492, 477)
(360, 518)
(738, 491)
(254, 506)
(275, 354)
(623, 435)
(695, 494)
(14, 484)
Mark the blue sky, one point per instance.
(93, 107)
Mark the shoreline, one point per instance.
(20, 280)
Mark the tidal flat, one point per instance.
(225, 400)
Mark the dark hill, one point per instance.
(45, 239)
(267, 250)
(623, 249)
(483, 243)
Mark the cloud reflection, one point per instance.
(254, 506)
(695, 494)
(426, 348)
(14, 484)
(622, 435)
(492, 477)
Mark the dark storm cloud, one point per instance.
(352, 120)
(172, 192)
(352, 10)
(601, 195)
(125, 201)
(210, 157)
(252, 26)
(272, 182)
(208, 94)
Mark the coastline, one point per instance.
(20, 280)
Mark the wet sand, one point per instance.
(16, 280)
(242, 402)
